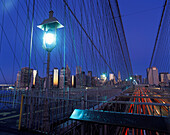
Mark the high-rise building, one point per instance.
(138, 78)
(168, 76)
(41, 83)
(62, 79)
(34, 76)
(50, 81)
(119, 77)
(55, 77)
(111, 76)
(18, 79)
(73, 81)
(83, 78)
(145, 80)
(68, 77)
(89, 78)
(65, 77)
(78, 77)
(80, 80)
(25, 77)
(95, 81)
(78, 70)
(152, 76)
(163, 77)
(103, 77)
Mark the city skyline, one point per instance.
(81, 78)
(57, 80)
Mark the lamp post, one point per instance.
(49, 26)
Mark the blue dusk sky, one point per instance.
(140, 19)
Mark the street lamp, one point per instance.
(49, 26)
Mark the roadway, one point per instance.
(149, 95)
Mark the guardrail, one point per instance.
(43, 113)
(11, 98)
(52, 114)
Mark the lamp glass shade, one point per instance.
(49, 40)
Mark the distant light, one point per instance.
(130, 78)
(154, 68)
(126, 79)
(49, 38)
(11, 87)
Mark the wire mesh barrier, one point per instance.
(47, 114)
(51, 114)
(10, 98)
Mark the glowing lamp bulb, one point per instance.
(49, 38)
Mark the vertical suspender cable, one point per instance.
(89, 37)
(2, 30)
(64, 48)
(31, 41)
(118, 37)
(15, 43)
(131, 72)
(157, 34)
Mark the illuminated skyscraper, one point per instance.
(72, 81)
(111, 76)
(34, 76)
(103, 77)
(164, 78)
(55, 77)
(152, 76)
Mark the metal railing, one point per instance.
(41, 112)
